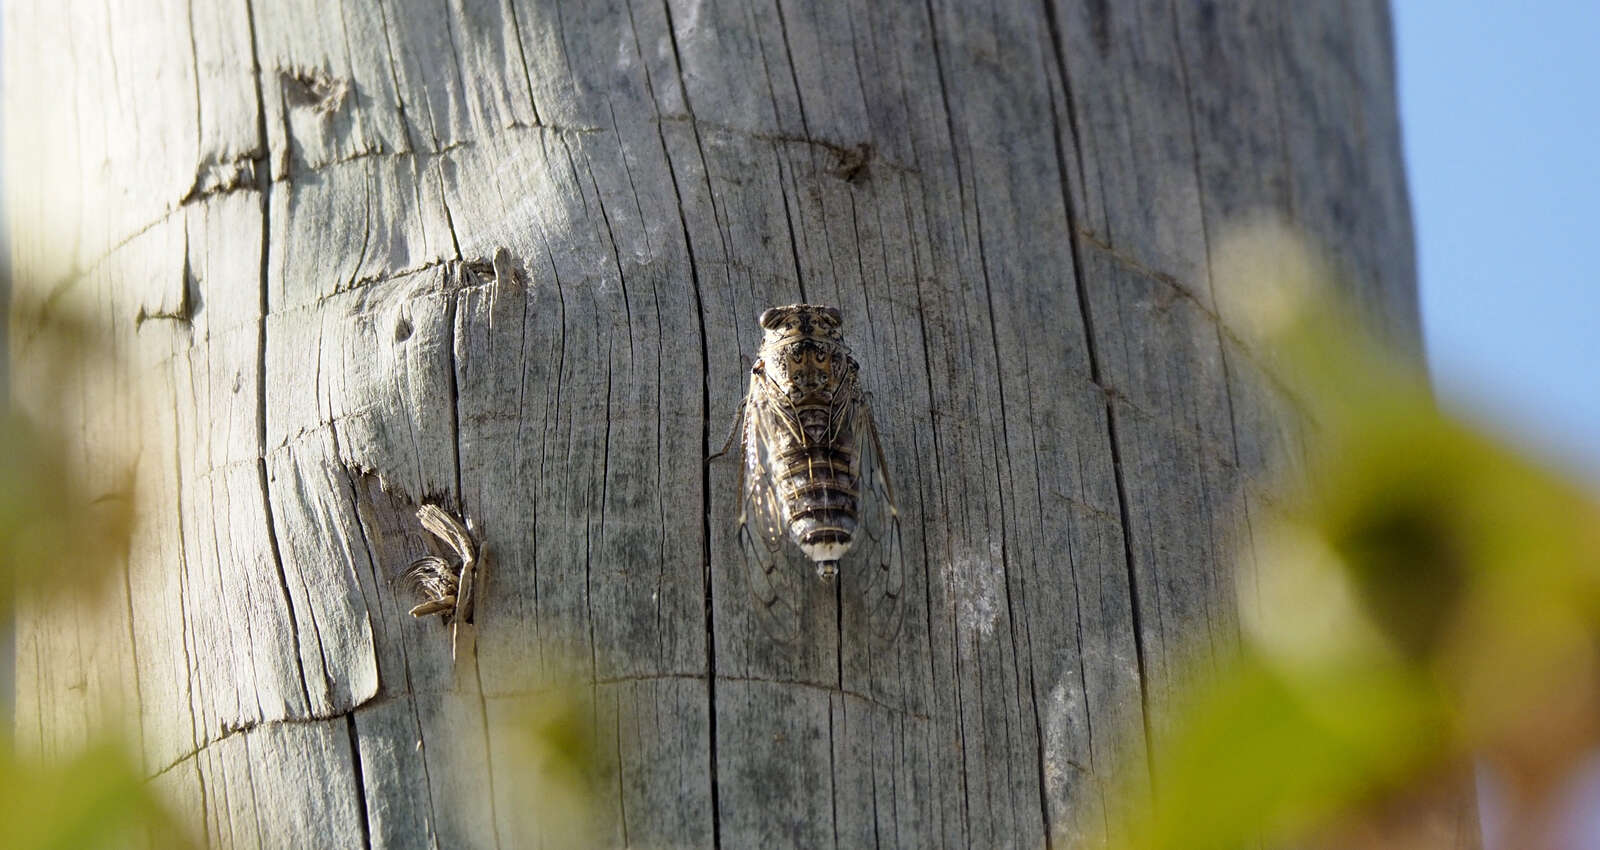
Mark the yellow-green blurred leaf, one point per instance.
(53, 533)
(1268, 752)
(1430, 596)
(95, 799)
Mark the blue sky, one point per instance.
(1501, 107)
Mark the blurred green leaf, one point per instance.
(65, 508)
(60, 535)
(95, 799)
(1430, 598)
(1269, 752)
(52, 532)
(557, 770)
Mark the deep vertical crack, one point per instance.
(1095, 373)
(187, 629)
(361, 780)
(938, 467)
(522, 57)
(588, 545)
(833, 770)
(488, 749)
(451, 311)
(451, 382)
(1005, 564)
(1205, 230)
(705, 435)
(405, 657)
(264, 186)
(794, 240)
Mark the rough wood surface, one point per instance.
(286, 212)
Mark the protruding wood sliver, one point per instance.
(448, 585)
(435, 606)
(446, 527)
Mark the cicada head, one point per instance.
(803, 321)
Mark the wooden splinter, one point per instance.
(446, 586)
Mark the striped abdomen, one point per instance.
(820, 482)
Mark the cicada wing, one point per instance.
(773, 580)
(879, 547)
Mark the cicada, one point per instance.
(813, 477)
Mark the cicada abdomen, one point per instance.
(813, 475)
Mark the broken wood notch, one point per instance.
(446, 586)
(436, 579)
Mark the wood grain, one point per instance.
(285, 215)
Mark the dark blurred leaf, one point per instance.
(65, 507)
(53, 533)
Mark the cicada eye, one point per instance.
(833, 313)
(771, 317)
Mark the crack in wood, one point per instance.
(705, 437)
(261, 367)
(900, 151)
(1075, 229)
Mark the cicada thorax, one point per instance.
(816, 468)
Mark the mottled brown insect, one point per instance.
(813, 470)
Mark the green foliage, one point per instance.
(94, 799)
(1430, 598)
(1267, 751)
(59, 537)
(53, 534)
(553, 754)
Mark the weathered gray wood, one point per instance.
(285, 214)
